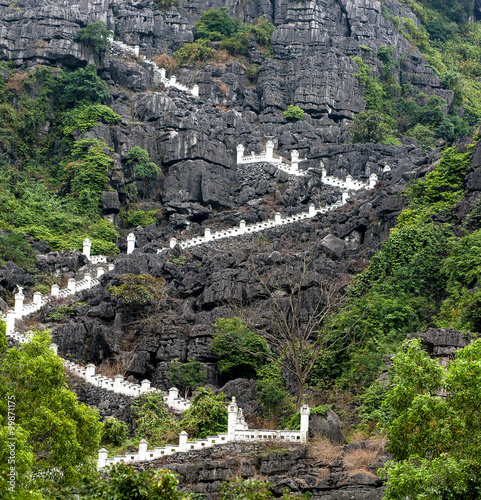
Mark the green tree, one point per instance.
(95, 35)
(293, 113)
(82, 86)
(435, 441)
(241, 351)
(214, 25)
(153, 420)
(139, 291)
(124, 483)
(369, 126)
(57, 434)
(114, 431)
(246, 489)
(191, 374)
(139, 160)
(207, 416)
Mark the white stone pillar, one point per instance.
(162, 73)
(183, 436)
(87, 247)
(118, 383)
(37, 298)
(54, 348)
(386, 168)
(277, 219)
(173, 394)
(242, 226)
(349, 182)
(143, 445)
(111, 267)
(88, 279)
(145, 386)
(345, 197)
(130, 243)
(240, 153)
(102, 461)
(90, 371)
(173, 242)
(323, 173)
(305, 411)
(19, 298)
(372, 180)
(71, 286)
(231, 419)
(207, 235)
(136, 50)
(312, 210)
(54, 291)
(269, 150)
(294, 160)
(173, 80)
(10, 322)
(195, 90)
(100, 271)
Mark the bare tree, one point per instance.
(296, 317)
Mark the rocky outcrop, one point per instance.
(442, 342)
(324, 471)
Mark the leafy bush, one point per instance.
(114, 431)
(166, 4)
(207, 416)
(86, 117)
(369, 126)
(272, 392)
(293, 113)
(61, 312)
(240, 350)
(135, 218)
(165, 61)
(191, 375)
(125, 483)
(138, 291)
(248, 489)
(82, 85)
(252, 72)
(196, 51)
(95, 35)
(153, 420)
(214, 25)
(15, 247)
(139, 159)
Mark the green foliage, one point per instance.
(293, 113)
(139, 160)
(369, 126)
(272, 391)
(215, 25)
(85, 117)
(82, 86)
(191, 374)
(3, 337)
(114, 431)
(95, 35)
(153, 420)
(124, 483)
(61, 312)
(50, 424)
(252, 72)
(207, 416)
(15, 247)
(240, 350)
(135, 218)
(179, 261)
(166, 4)
(424, 135)
(196, 51)
(248, 489)
(434, 441)
(138, 291)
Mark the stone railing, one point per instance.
(350, 183)
(160, 76)
(267, 156)
(237, 430)
(244, 228)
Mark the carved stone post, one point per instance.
(87, 247)
(130, 243)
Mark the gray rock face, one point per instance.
(64, 261)
(330, 427)
(299, 468)
(442, 342)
